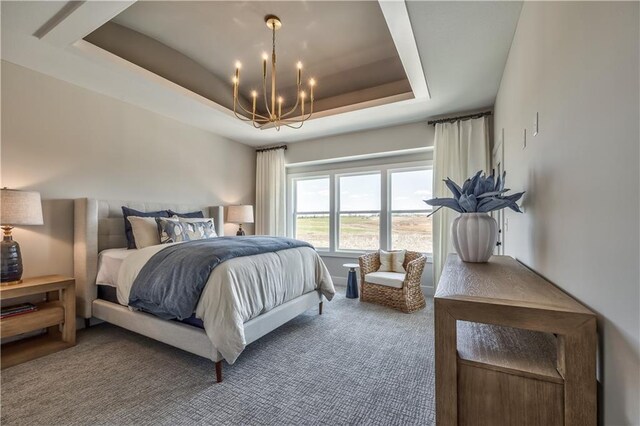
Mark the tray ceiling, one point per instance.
(460, 47)
(345, 45)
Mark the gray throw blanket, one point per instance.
(171, 282)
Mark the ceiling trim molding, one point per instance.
(397, 18)
(118, 64)
(359, 157)
(355, 107)
(77, 19)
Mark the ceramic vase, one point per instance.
(474, 236)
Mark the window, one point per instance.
(362, 209)
(359, 212)
(410, 226)
(312, 210)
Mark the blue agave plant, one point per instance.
(479, 194)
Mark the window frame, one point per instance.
(384, 170)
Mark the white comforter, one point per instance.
(241, 289)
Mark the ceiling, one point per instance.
(345, 46)
(459, 48)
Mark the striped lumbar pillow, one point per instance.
(391, 261)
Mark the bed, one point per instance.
(99, 228)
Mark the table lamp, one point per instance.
(17, 208)
(240, 215)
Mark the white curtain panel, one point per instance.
(270, 193)
(461, 149)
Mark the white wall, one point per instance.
(68, 142)
(576, 64)
(409, 142)
(414, 136)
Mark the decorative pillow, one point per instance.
(175, 231)
(197, 214)
(145, 231)
(210, 224)
(391, 261)
(126, 212)
(170, 231)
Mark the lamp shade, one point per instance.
(20, 208)
(240, 214)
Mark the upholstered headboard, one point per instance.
(99, 225)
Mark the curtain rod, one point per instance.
(272, 148)
(462, 117)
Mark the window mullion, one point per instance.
(333, 224)
(384, 211)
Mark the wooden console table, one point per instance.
(553, 380)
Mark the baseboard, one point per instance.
(339, 281)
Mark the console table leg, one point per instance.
(578, 363)
(446, 366)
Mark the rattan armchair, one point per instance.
(407, 299)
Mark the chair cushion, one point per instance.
(389, 279)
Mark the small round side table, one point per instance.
(352, 281)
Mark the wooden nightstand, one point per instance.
(58, 310)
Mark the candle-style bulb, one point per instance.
(299, 65)
(312, 83)
(265, 56)
(254, 95)
(302, 95)
(238, 64)
(234, 79)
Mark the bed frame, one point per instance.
(99, 225)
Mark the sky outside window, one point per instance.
(410, 189)
(312, 195)
(360, 192)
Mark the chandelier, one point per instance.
(273, 115)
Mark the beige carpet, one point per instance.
(356, 364)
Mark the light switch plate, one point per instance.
(524, 138)
(535, 125)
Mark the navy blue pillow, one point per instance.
(192, 215)
(126, 211)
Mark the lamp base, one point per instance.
(7, 283)
(10, 260)
(240, 232)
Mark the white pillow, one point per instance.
(145, 231)
(391, 261)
